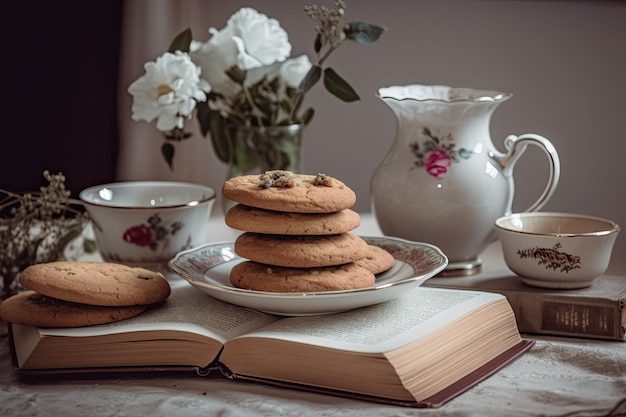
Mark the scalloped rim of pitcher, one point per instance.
(470, 95)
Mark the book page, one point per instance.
(382, 327)
(187, 309)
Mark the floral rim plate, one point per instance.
(207, 268)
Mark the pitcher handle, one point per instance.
(515, 146)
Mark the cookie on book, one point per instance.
(377, 260)
(252, 219)
(260, 277)
(300, 251)
(96, 283)
(34, 309)
(286, 191)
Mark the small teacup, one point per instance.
(557, 250)
(147, 222)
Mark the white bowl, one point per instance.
(146, 222)
(557, 250)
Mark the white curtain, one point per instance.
(148, 27)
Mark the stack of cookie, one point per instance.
(74, 294)
(297, 235)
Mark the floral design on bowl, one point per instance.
(147, 222)
(552, 258)
(152, 233)
(437, 154)
(563, 250)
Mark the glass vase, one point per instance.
(255, 150)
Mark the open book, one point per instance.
(421, 349)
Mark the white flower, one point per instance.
(293, 70)
(215, 57)
(260, 40)
(249, 40)
(168, 91)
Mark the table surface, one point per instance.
(557, 377)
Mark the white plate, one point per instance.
(208, 267)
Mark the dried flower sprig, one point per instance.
(330, 29)
(36, 226)
(332, 32)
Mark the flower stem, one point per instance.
(324, 57)
(298, 103)
(252, 104)
(300, 97)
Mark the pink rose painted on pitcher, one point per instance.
(437, 154)
(437, 162)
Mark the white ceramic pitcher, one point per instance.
(443, 181)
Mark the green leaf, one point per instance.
(262, 106)
(167, 150)
(219, 138)
(275, 84)
(72, 231)
(258, 112)
(181, 42)
(203, 113)
(291, 92)
(363, 32)
(285, 105)
(318, 44)
(236, 74)
(339, 87)
(307, 116)
(310, 79)
(90, 246)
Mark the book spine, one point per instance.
(569, 316)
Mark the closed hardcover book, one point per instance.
(597, 312)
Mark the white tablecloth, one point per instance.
(557, 377)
